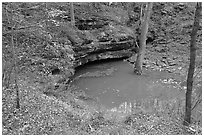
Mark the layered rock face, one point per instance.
(110, 41)
(103, 50)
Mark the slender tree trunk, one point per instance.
(142, 43)
(13, 24)
(141, 13)
(72, 14)
(187, 118)
(13, 65)
(15, 71)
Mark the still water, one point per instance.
(113, 83)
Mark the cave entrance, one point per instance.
(102, 61)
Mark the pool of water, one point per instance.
(113, 83)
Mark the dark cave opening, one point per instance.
(101, 61)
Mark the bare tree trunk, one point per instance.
(13, 65)
(72, 14)
(141, 13)
(15, 71)
(187, 118)
(13, 24)
(142, 43)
